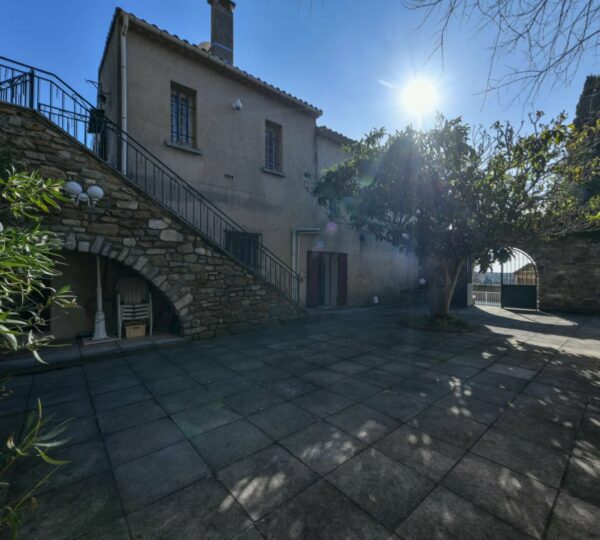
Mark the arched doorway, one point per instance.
(509, 284)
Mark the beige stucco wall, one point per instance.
(232, 142)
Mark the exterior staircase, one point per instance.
(26, 86)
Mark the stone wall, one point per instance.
(569, 274)
(209, 291)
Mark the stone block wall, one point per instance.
(209, 291)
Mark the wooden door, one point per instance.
(342, 279)
(312, 279)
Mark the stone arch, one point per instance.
(136, 260)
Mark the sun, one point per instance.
(420, 96)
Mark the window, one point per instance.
(182, 115)
(244, 247)
(273, 146)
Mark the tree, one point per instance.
(27, 264)
(549, 37)
(449, 195)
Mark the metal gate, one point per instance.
(519, 281)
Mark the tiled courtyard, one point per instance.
(346, 426)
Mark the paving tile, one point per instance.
(456, 370)
(504, 382)
(322, 446)
(204, 510)
(420, 390)
(523, 456)
(445, 516)
(403, 369)
(282, 420)
(348, 367)
(363, 423)
(161, 373)
(513, 371)
(536, 430)
(291, 387)
(386, 489)
(471, 408)
(573, 519)
(371, 360)
(354, 389)
(265, 374)
(251, 533)
(444, 425)
(538, 407)
(194, 421)
(379, 377)
(77, 430)
(185, 399)
(395, 405)
(70, 409)
(151, 477)
(138, 441)
(253, 400)
(319, 513)
(169, 385)
(519, 500)
(322, 402)
(229, 387)
(582, 479)
(484, 392)
(74, 510)
(297, 367)
(130, 415)
(229, 443)
(423, 453)
(82, 461)
(266, 479)
(109, 384)
(323, 377)
(53, 396)
(119, 398)
(115, 530)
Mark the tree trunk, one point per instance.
(442, 275)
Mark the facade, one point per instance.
(252, 149)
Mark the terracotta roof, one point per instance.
(213, 61)
(334, 136)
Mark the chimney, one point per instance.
(221, 29)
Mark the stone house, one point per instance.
(252, 149)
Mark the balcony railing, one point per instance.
(54, 99)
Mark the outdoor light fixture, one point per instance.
(237, 105)
(75, 192)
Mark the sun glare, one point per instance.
(419, 96)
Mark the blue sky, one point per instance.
(341, 55)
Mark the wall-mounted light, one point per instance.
(75, 192)
(237, 105)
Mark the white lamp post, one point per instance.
(91, 197)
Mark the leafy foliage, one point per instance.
(449, 194)
(28, 261)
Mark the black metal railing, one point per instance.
(54, 99)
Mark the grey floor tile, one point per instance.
(109, 384)
(573, 519)
(395, 405)
(253, 400)
(348, 367)
(321, 513)
(379, 377)
(472, 408)
(363, 423)
(282, 420)
(404, 369)
(538, 407)
(513, 371)
(115, 530)
(138, 441)
(291, 387)
(323, 402)
(354, 389)
(170, 385)
(204, 510)
(420, 390)
(323, 377)
(536, 430)
(582, 479)
(505, 382)
(386, 489)
(445, 516)
(130, 415)
(229, 387)
(444, 425)
(266, 479)
(229, 443)
(159, 474)
(322, 446)
(194, 421)
(538, 462)
(423, 453)
(74, 510)
(519, 500)
(119, 398)
(185, 399)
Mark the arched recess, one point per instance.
(510, 284)
(78, 270)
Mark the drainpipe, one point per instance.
(123, 40)
(296, 232)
